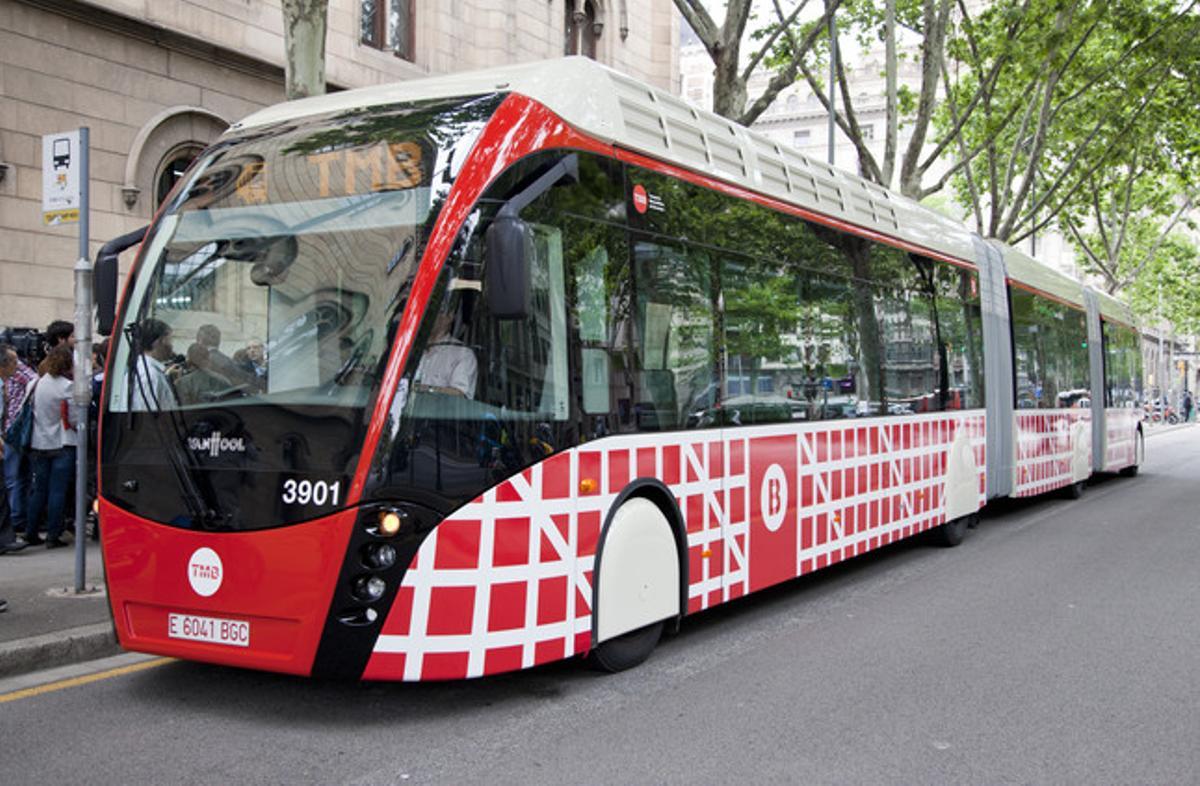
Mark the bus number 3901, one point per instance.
(307, 492)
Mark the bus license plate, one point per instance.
(235, 633)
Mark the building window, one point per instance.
(868, 131)
(800, 138)
(581, 29)
(171, 169)
(388, 25)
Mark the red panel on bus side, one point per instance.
(773, 495)
(1120, 438)
(280, 581)
(507, 581)
(1046, 443)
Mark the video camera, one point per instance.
(30, 343)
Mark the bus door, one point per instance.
(760, 313)
(676, 380)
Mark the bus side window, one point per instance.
(675, 337)
(592, 308)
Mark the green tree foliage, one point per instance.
(1077, 82)
(1169, 286)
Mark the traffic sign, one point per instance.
(61, 178)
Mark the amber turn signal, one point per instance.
(587, 486)
(389, 523)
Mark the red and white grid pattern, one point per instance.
(1045, 449)
(506, 582)
(1120, 427)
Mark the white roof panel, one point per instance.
(1114, 309)
(1024, 269)
(615, 108)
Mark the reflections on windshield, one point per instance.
(284, 259)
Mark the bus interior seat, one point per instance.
(657, 409)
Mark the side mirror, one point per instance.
(510, 244)
(509, 249)
(104, 278)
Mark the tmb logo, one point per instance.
(215, 444)
(205, 572)
(640, 199)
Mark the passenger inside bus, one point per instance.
(151, 389)
(200, 383)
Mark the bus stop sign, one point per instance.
(60, 178)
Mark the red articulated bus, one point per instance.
(458, 376)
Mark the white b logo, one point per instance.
(205, 572)
(773, 497)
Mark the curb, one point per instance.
(1166, 428)
(57, 649)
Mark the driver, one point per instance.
(151, 387)
(448, 366)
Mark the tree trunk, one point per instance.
(304, 46)
(729, 89)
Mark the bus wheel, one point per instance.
(1075, 490)
(952, 532)
(627, 650)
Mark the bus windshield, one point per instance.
(273, 274)
(268, 291)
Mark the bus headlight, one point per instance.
(369, 588)
(380, 556)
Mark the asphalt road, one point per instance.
(1059, 644)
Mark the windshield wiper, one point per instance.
(192, 497)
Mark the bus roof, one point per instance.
(615, 108)
(1114, 309)
(1024, 269)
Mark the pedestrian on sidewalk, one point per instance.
(1187, 406)
(61, 333)
(52, 447)
(15, 380)
(8, 536)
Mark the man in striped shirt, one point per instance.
(16, 378)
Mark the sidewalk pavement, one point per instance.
(47, 624)
(1154, 429)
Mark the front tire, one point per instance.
(627, 650)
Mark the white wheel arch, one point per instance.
(1081, 441)
(962, 478)
(637, 582)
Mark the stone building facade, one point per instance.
(157, 81)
